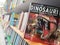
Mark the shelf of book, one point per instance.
(22, 35)
(18, 31)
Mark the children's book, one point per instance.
(42, 23)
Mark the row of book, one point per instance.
(16, 20)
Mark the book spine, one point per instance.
(17, 40)
(20, 41)
(20, 20)
(12, 37)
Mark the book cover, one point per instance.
(14, 19)
(42, 23)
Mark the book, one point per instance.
(14, 19)
(17, 40)
(6, 18)
(14, 4)
(20, 41)
(5, 21)
(24, 42)
(13, 37)
(42, 23)
(20, 20)
(9, 30)
(24, 22)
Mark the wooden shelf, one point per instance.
(18, 31)
(22, 35)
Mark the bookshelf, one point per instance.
(18, 9)
(22, 35)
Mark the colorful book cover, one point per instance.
(14, 19)
(42, 23)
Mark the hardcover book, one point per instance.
(42, 23)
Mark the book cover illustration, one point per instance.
(34, 27)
